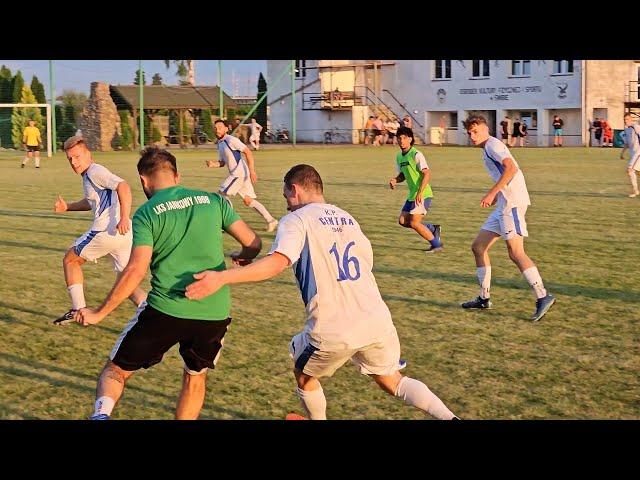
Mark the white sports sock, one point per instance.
(417, 394)
(104, 405)
(314, 403)
(634, 180)
(76, 292)
(261, 210)
(26, 159)
(533, 277)
(37, 161)
(484, 279)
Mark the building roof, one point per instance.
(169, 96)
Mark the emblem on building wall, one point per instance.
(441, 94)
(562, 90)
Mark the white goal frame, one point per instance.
(38, 105)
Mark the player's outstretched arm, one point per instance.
(214, 163)
(131, 277)
(209, 282)
(250, 241)
(60, 205)
(124, 196)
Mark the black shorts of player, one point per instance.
(505, 136)
(33, 148)
(153, 333)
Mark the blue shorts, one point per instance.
(411, 207)
(557, 131)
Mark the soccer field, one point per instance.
(580, 362)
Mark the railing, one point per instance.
(330, 100)
(402, 106)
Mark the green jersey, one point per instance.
(184, 227)
(411, 165)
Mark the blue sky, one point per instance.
(239, 76)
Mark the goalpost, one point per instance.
(36, 105)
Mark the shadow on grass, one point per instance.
(11, 319)
(53, 216)
(35, 246)
(23, 368)
(555, 288)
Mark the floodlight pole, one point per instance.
(52, 101)
(293, 102)
(141, 101)
(220, 95)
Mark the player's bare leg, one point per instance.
(110, 387)
(191, 396)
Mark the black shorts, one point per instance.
(505, 136)
(151, 333)
(33, 148)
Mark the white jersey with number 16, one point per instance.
(332, 261)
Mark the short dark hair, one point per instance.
(226, 124)
(304, 175)
(153, 159)
(407, 132)
(475, 120)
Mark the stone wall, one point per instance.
(99, 121)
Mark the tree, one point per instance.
(185, 69)
(6, 96)
(261, 111)
(126, 139)
(136, 80)
(21, 115)
(38, 90)
(156, 79)
(75, 101)
(207, 124)
(16, 87)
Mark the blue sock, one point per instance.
(435, 243)
(430, 227)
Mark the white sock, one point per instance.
(484, 279)
(314, 403)
(76, 292)
(533, 277)
(37, 162)
(104, 405)
(634, 180)
(261, 210)
(26, 159)
(417, 394)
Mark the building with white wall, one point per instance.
(434, 92)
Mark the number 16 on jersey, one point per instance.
(344, 272)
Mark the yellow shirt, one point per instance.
(31, 136)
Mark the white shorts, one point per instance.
(93, 245)
(254, 138)
(507, 223)
(237, 186)
(380, 358)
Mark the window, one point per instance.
(301, 68)
(442, 69)
(562, 66)
(520, 68)
(480, 68)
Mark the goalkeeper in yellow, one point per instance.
(32, 142)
